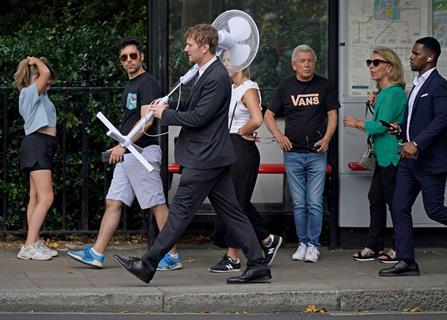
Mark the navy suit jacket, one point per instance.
(428, 124)
(204, 141)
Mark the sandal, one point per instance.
(387, 257)
(366, 254)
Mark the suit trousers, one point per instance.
(195, 185)
(380, 195)
(244, 173)
(411, 180)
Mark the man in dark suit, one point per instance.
(205, 153)
(423, 164)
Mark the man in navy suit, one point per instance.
(423, 164)
(205, 153)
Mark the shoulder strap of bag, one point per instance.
(238, 97)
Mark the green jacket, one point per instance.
(390, 105)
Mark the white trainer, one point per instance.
(312, 254)
(300, 252)
(45, 249)
(32, 252)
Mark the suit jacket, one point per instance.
(204, 141)
(428, 124)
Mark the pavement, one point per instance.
(336, 283)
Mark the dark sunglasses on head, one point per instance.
(375, 62)
(133, 56)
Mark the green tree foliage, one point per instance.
(80, 40)
(70, 34)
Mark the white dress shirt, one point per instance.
(205, 66)
(417, 82)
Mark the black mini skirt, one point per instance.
(37, 152)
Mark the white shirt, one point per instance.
(205, 66)
(417, 82)
(238, 108)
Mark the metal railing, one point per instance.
(80, 180)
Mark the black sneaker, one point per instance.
(270, 251)
(226, 265)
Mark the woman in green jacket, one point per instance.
(389, 103)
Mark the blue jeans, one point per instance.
(306, 178)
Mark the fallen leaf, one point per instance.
(312, 308)
(189, 260)
(413, 310)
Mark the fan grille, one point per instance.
(245, 43)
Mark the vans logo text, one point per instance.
(304, 100)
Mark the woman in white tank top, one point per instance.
(244, 117)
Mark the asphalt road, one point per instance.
(297, 316)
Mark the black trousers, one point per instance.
(244, 173)
(410, 181)
(194, 186)
(380, 195)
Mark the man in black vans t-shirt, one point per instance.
(310, 108)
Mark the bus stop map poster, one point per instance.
(392, 23)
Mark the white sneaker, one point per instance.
(45, 249)
(312, 254)
(32, 252)
(300, 252)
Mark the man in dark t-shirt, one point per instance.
(130, 178)
(139, 91)
(309, 105)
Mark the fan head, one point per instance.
(238, 39)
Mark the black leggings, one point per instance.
(244, 173)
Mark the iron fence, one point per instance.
(80, 180)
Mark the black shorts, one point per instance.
(37, 152)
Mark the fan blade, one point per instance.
(239, 29)
(239, 53)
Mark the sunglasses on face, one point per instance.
(132, 56)
(375, 62)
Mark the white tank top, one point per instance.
(241, 114)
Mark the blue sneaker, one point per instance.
(87, 256)
(169, 263)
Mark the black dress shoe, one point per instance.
(252, 275)
(137, 267)
(401, 269)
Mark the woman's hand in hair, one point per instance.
(32, 61)
(44, 74)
